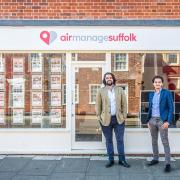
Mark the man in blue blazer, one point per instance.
(160, 116)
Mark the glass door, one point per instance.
(86, 80)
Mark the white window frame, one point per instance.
(167, 59)
(127, 62)
(76, 91)
(90, 86)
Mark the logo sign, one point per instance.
(48, 37)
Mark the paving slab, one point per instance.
(22, 177)
(39, 167)
(6, 175)
(98, 168)
(67, 176)
(11, 164)
(166, 178)
(135, 176)
(110, 177)
(158, 169)
(137, 166)
(74, 165)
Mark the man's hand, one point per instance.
(165, 125)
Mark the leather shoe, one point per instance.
(109, 164)
(153, 162)
(167, 168)
(124, 164)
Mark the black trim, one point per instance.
(164, 23)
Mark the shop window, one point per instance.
(120, 62)
(93, 89)
(31, 90)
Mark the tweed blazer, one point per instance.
(103, 110)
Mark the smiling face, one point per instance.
(157, 84)
(109, 80)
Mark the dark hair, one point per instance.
(113, 77)
(157, 77)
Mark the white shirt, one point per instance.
(111, 96)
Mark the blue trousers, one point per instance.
(119, 133)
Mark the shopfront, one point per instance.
(49, 77)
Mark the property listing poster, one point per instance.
(18, 116)
(2, 81)
(1, 65)
(2, 120)
(18, 65)
(55, 116)
(36, 98)
(36, 116)
(36, 65)
(55, 65)
(18, 91)
(55, 81)
(18, 100)
(2, 95)
(36, 81)
(55, 98)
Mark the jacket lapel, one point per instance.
(161, 94)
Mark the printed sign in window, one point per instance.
(36, 98)
(36, 64)
(2, 99)
(36, 116)
(36, 82)
(55, 82)
(18, 64)
(2, 81)
(1, 65)
(55, 98)
(55, 65)
(55, 116)
(2, 120)
(18, 116)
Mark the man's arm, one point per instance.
(123, 104)
(98, 106)
(171, 107)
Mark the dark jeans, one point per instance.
(119, 133)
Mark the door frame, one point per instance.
(84, 64)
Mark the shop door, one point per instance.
(86, 80)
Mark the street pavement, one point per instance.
(82, 168)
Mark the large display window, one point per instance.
(31, 90)
(33, 86)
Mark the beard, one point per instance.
(109, 83)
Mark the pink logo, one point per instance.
(48, 37)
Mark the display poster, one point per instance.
(18, 91)
(36, 98)
(18, 64)
(2, 99)
(1, 65)
(2, 81)
(55, 98)
(36, 81)
(18, 116)
(55, 116)
(36, 116)
(56, 65)
(55, 81)
(36, 65)
(18, 100)
(2, 116)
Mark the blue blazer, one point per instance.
(166, 106)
